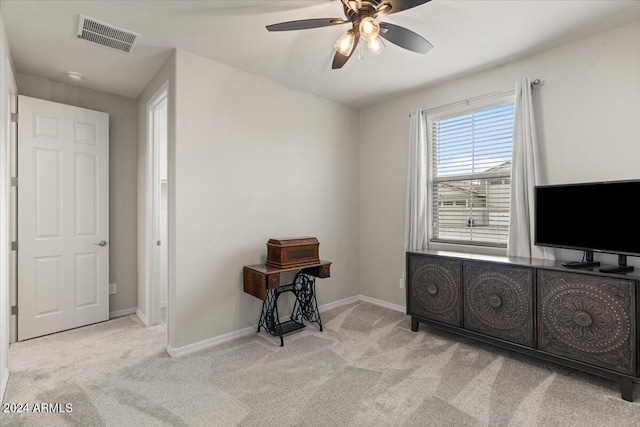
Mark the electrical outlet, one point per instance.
(401, 283)
(113, 288)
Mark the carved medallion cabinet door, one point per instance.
(434, 288)
(498, 301)
(588, 318)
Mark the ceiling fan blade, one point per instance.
(387, 7)
(404, 38)
(339, 60)
(306, 24)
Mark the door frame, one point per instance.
(13, 203)
(152, 213)
(9, 100)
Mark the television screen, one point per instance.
(593, 216)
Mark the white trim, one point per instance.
(13, 210)
(121, 313)
(152, 220)
(339, 303)
(478, 102)
(208, 343)
(385, 304)
(212, 342)
(142, 317)
(3, 385)
(502, 97)
(8, 91)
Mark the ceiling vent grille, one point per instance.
(94, 31)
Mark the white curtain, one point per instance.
(526, 172)
(415, 235)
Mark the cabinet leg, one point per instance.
(414, 324)
(626, 388)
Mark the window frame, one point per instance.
(495, 99)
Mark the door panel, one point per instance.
(85, 190)
(63, 196)
(84, 133)
(86, 280)
(47, 193)
(47, 127)
(48, 285)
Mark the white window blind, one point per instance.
(470, 182)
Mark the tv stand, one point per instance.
(621, 268)
(588, 255)
(532, 307)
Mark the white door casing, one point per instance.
(13, 209)
(7, 142)
(157, 140)
(63, 217)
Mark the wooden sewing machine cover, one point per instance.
(293, 252)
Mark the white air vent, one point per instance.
(94, 31)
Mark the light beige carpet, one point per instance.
(366, 369)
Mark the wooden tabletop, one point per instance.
(266, 269)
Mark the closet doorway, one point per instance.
(158, 207)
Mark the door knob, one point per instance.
(101, 243)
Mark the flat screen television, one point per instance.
(595, 217)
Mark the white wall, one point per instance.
(123, 135)
(589, 122)
(255, 160)
(5, 62)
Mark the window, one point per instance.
(470, 172)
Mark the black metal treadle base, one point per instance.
(304, 308)
(291, 326)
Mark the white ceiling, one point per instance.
(467, 35)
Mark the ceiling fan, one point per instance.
(362, 15)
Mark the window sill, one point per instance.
(469, 249)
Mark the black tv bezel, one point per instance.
(579, 248)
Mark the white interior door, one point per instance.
(63, 217)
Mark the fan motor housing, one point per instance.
(368, 8)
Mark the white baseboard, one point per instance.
(142, 317)
(339, 303)
(121, 313)
(381, 303)
(3, 384)
(212, 342)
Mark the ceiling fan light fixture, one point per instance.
(362, 14)
(376, 46)
(369, 29)
(384, 8)
(345, 43)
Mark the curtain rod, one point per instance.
(536, 82)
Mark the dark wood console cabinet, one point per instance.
(583, 319)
